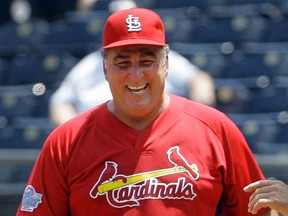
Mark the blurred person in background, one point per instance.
(5, 11)
(17, 11)
(51, 10)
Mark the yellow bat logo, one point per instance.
(115, 184)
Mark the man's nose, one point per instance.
(136, 71)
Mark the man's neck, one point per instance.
(138, 124)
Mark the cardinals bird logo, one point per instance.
(176, 158)
(108, 174)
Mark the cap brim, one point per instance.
(134, 42)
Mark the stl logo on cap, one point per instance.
(133, 23)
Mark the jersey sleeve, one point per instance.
(47, 191)
(242, 169)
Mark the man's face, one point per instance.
(136, 75)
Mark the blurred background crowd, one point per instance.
(239, 45)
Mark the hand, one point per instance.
(202, 89)
(268, 193)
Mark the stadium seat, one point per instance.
(207, 56)
(270, 99)
(179, 3)
(13, 173)
(257, 128)
(25, 133)
(178, 24)
(271, 148)
(255, 1)
(257, 59)
(232, 96)
(17, 100)
(24, 100)
(277, 31)
(263, 128)
(78, 33)
(235, 28)
(16, 37)
(252, 94)
(4, 11)
(241, 65)
(102, 5)
(282, 119)
(47, 66)
(3, 68)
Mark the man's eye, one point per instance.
(146, 62)
(123, 64)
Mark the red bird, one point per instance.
(108, 174)
(177, 159)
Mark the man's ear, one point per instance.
(105, 70)
(166, 66)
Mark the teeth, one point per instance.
(136, 87)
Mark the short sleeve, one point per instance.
(47, 192)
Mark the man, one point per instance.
(145, 152)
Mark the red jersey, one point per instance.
(190, 160)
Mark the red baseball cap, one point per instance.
(133, 26)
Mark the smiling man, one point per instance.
(145, 152)
(136, 75)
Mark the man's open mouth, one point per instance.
(137, 89)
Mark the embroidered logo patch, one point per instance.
(133, 23)
(31, 199)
